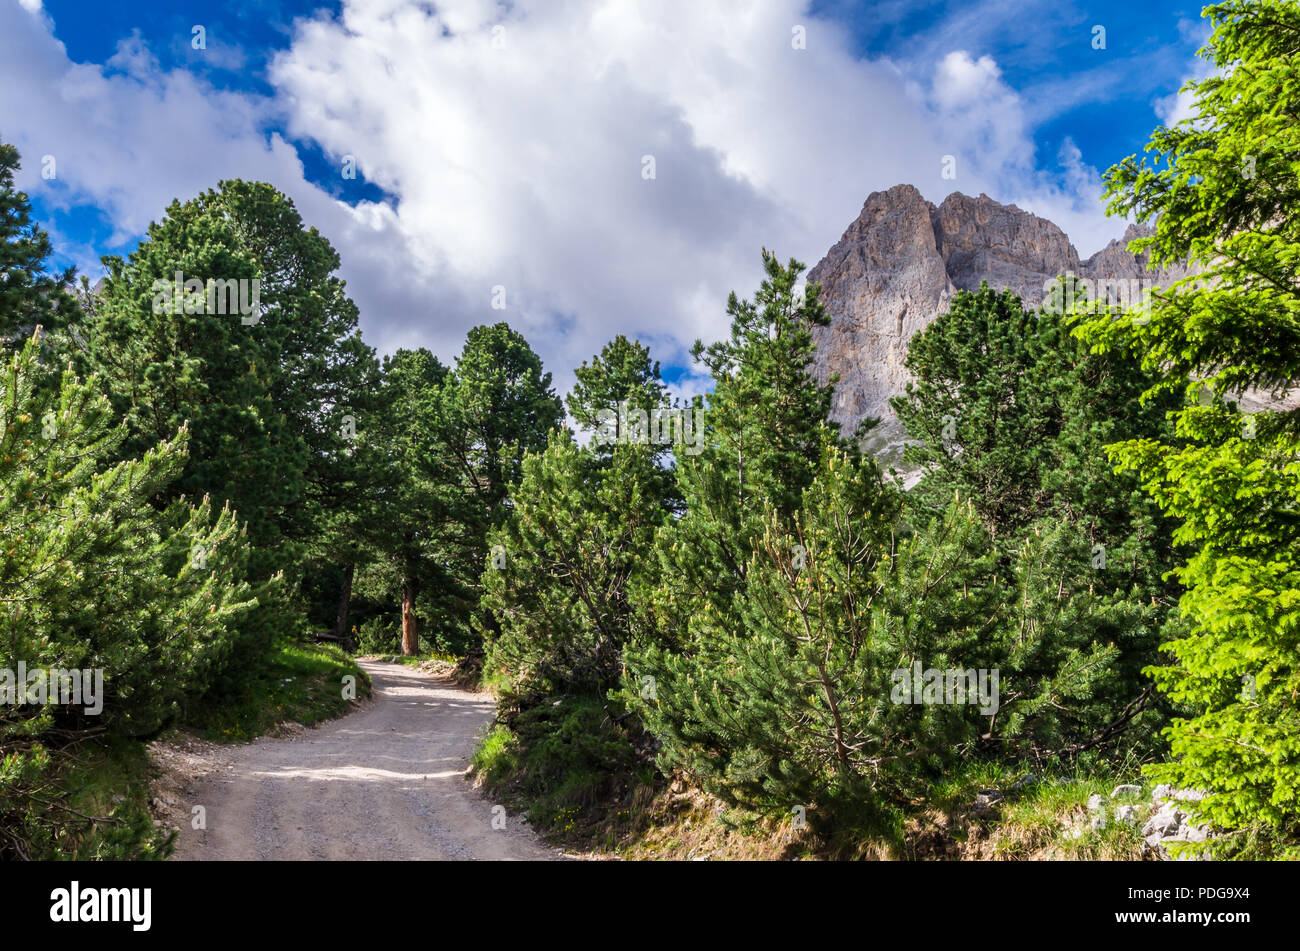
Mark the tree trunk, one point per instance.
(410, 637)
(345, 602)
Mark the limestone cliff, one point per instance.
(898, 264)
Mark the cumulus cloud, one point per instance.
(514, 146)
(1181, 105)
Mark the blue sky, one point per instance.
(504, 144)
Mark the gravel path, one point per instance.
(385, 782)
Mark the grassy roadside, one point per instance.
(97, 796)
(570, 770)
(92, 804)
(1046, 820)
(581, 785)
(296, 683)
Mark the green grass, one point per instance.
(88, 801)
(297, 683)
(111, 778)
(560, 763)
(497, 756)
(1038, 820)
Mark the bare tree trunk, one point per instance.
(345, 602)
(410, 637)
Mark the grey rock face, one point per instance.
(897, 266)
(1165, 822)
(882, 282)
(1170, 824)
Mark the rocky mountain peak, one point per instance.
(898, 264)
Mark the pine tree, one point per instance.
(29, 294)
(1069, 654)
(1221, 190)
(408, 519)
(795, 706)
(94, 576)
(1010, 410)
(496, 407)
(263, 371)
(621, 373)
(763, 434)
(611, 392)
(577, 534)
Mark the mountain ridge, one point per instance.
(898, 264)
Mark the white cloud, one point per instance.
(1178, 106)
(522, 166)
(962, 81)
(1073, 202)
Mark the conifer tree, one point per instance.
(229, 316)
(580, 535)
(764, 432)
(621, 373)
(408, 517)
(94, 577)
(1221, 191)
(796, 706)
(577, 534)
(496, 407)
(1010, 410)
(29, 293)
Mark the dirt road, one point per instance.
(385, 782)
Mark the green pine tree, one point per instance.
(94, 576)
(263, 372)
(1221, 190)
(497, 406)
(566, 559)
(795, 707)
(1010, 410)
(758, 449)
(408, 517)
(29, 293)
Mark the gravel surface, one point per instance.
(385, 782)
